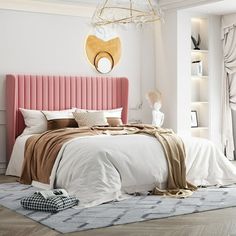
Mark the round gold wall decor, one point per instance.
(104, 62)
(103, 55)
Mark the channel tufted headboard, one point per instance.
(58, 93)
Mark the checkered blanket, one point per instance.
(54, 204)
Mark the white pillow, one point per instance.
(36, 122)
(63, 114)
(107, 113)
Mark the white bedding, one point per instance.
(17, 157)
(102, 168)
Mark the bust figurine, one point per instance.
(154, 100)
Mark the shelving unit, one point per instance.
(199, 51)
(200, 78)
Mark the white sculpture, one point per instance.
(154, 99)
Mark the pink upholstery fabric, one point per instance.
(60, 92)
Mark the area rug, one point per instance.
(135, 209)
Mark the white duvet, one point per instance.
(104, 168)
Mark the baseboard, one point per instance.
(2, 168)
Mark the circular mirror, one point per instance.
(103, 62)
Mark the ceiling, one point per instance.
(218, 8)
(79, 2)
(71, 2)
(86, 7)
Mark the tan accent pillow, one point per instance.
(60, 119)
(61, 123)
(114, 121)
(90, 118)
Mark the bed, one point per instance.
(103, 168)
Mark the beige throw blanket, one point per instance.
(41, 152)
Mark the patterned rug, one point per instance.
(135, 209)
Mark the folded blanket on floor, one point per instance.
(53, 204)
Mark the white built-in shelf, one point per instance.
(199, 102)
(199, 51)
(199, 76)
(199, 128)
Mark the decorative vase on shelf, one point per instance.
(154, 99)
(197, 42)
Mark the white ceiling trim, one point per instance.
(47, 7)
(180, 4)
(64, 7)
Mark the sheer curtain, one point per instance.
(229, 82)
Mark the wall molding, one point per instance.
(2, 117)
(179, 4)
(60, 8)
(2, 167)
(76, 8)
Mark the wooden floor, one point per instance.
(215, 223)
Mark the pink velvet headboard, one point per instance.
(58, 93)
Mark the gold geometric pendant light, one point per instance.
(126, 11)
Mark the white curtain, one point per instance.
(229, 82)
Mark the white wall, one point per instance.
(35, 43)
(215, 73)
(173, 70)
(166, 67)
(183, 72)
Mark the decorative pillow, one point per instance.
(54, 204)
(35, 121)
(90, 118)
(107, 113)
(114, 121)
(61, 123)
(60, 119)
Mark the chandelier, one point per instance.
(125, 12)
